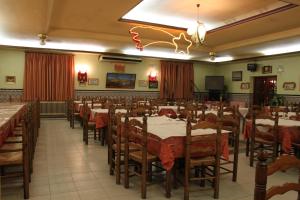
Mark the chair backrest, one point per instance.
(136, 132)
(141, 111)
(263, 170)
(265, 131)
(211, 117)
(210, 144)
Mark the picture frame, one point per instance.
(142, 83)
(93, 81)
(245, 86)
(120, 80)
(289, 85)
(10, 79)
(153, 84)
(237, 75)
(267, 69)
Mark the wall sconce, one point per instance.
(82, 73)
(152, 76)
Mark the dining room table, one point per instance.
(10, 116)
(167, 141)
(288, 130)
(100, 116)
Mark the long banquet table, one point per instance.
(10, 116)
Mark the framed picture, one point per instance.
(245, 86)
(267, 69)
(289, 85)
(142, 83)
(237, 75)
(153, 84)
(10, 79)
(93, 81)
(118, 80)
(119, 67)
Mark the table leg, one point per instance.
(168, 183)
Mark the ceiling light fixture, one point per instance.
(43, 38)
(197, 31)
(221, 59)
(212, 55)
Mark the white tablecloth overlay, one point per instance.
(100, 110)
(168, 107)
(281, 122)
(165, 127)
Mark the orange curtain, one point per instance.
(177, 80)
(48, 77)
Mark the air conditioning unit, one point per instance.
(114, 58)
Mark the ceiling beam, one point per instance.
(48, 17)
(296, 2)
(258, 40)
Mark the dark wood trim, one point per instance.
(152, 24)
(116, 91)
(9, 89)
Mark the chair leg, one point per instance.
(251, 153)
(95, 133)
(112, 163)
(149, 178)
(186, 185)
(175, 167)
(247, 147)
(117, 167)
(216, 183)
(144, 180)
(235, 158)
(26, 183)
(126, 171)
(203, 171)
(103, 137)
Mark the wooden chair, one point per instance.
(87, 125)
(263, 170)
(117, 146)
(265, 136)
(136, 135)
(201, 158)
(74, 115)
(231, 123)
(18, 158)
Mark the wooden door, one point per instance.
(264, 89)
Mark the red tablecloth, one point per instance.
(168, 112)
(173, 147)
(287, 135)
(101, 119)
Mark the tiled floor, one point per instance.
(65, 168)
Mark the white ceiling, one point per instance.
(95, 26)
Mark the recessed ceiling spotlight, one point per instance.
(43, 38)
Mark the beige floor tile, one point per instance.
(65, 196)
